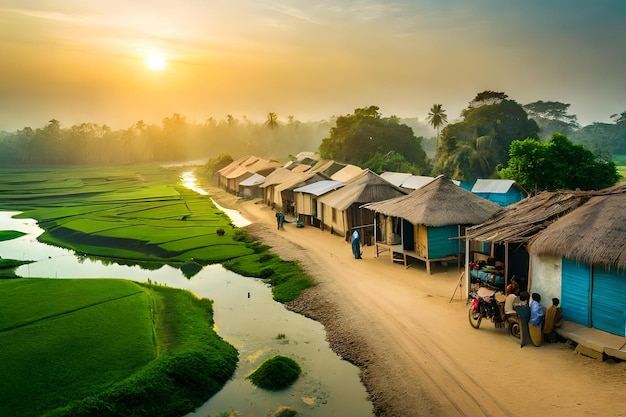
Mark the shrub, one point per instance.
(266, 257)
(220, 232)
(266, 273)
(257, 246)
(276, 373)
(241, 235)
(284, 411)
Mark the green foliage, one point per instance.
(215, 164)
(360, 137)
(602, 138)
(287, 278)
(8, 267)
(276, 373)
(557, 164)
(552, 117)
(10, 234)
(284, 411)
(241, 235)
(66, 339)
(193, 364)
(475, 146)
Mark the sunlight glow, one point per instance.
(156, 61)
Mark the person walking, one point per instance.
(356, 245)
(280, 219)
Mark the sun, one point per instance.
(156, 61)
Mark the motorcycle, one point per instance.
(484, 304)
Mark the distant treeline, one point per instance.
(175, 140)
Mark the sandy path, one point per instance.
(417, 351)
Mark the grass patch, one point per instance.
(10, 235)
(8, 267)
(287, 278)
(276, 373)
(69, 340)
(73, 349)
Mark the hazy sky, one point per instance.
(86, 61)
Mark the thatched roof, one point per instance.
(248, 164)
(365, 188)
(594, 234)
(327, 167)
(347, 173)
(438, 203)
(522, 221)
(278, 176)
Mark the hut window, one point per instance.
(334, 215)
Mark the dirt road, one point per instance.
(418, 354)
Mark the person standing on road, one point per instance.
(356, 245)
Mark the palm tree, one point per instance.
(437, 117)
(272, 120)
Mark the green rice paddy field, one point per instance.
(70, 349)
(140, 211)
(63, 340)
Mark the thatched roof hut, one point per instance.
(438, 203)
(594, 234)
(521, 222)
(366, 187)
(340, 209)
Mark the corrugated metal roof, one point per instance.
(252, 180)
(320, 187)
(492, 186)
(416, 181)
(396, 178)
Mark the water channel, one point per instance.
(245, 315)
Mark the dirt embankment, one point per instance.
(411, 338)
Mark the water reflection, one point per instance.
(189, 180)
(245, 315)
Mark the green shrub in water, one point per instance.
(284, 411)
(276, 373)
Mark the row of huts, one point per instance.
(568, 244)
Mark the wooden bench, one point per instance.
(392, 249)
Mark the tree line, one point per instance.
(482, 144)
(175, 139)
(495, 138)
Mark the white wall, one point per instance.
(546, 278)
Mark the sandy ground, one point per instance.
(416, 350)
